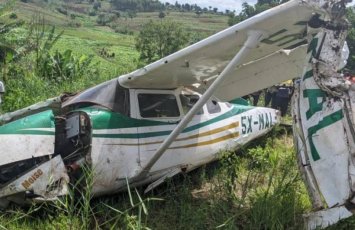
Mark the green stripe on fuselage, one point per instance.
(115, 121)
(30, 125)
(105, 120)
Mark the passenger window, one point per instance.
(158, 105)
(188, 101)
(213, 107)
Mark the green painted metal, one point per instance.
(30, 124)
(104, 120)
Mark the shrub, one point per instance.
(104, 19)
(124, 30)
(62, 10)
(97, 5)
(13, 16)
(63, 66)
(92, 12)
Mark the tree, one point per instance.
(198, 13)
(157, 40)
(132, 14)
(161, 15)
(96, 5)
(249, 10)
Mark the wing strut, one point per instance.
(254, 37)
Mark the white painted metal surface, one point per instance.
(36, 145)
(324, 218)
(284, 25)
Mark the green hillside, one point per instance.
(83, 35)
(104, 35)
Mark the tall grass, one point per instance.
(255, 188)
(78, 210)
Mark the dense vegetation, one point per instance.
(48, 47)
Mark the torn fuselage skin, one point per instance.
(323, 110)
(43, 153)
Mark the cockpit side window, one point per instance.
(188, 101)
(213, 106)
(158, 105)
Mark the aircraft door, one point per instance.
(157, 112)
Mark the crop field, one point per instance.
(91, 39)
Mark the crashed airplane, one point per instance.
(169, 117)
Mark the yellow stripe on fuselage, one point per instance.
(204, 134)
(220, 139)
(213, 131)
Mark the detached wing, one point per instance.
(278, 57)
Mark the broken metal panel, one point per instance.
(48, 180)
(53, 103)
(322, 125)
(20, 147)
(302, 157)
(324, 118)
(73, 127)
(109, 94)
(325, 218)
(350, 117)
(32, 136)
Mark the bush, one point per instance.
(92, 12)
(13, 16)
(97, 5)
(75, 24)
(104, 19)
(62, 10)
(124, 30)
(63, 66)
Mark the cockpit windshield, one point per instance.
(109, 94)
